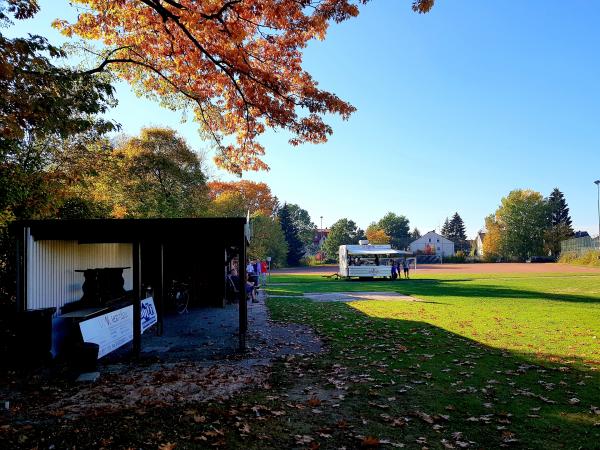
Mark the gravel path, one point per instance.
(195, 360)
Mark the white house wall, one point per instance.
(51, 265)
(441, 244)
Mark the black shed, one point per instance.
(54, 254)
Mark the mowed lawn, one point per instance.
(481, 361)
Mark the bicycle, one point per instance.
(179, 296)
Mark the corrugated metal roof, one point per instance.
(133, 230)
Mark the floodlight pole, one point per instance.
(597, 183)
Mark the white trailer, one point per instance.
(369, 261)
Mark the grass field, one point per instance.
(478, 361)
(481, 361)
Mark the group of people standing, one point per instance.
(256, 274)
(403, 265)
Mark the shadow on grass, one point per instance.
(493, 397)
(454, 288)
(436, 287)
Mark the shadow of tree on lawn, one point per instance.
(493, 397)
(440, 287)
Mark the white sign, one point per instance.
(110, 331)
(115, 329)
(149, 316)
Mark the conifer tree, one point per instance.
(457, 233)
(446, 229)
(295, 247)
(558, 210)
(559, 225)
(457, 229)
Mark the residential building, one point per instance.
(432, 243)
(479, 243)
(318, 240)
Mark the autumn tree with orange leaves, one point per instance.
(238, 197)
(237, 64)
(377, 235)
(492, 239)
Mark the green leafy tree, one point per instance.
(43, 104)
(228, 204)
(559, 222)
(268, 240)
(82, 208)
(415, 234)
(41, 98)
(295, 247)
(306, 228)
(342, 232)
(521, 221)
(156, 175)
(396, 227)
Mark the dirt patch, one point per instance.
(358, 296)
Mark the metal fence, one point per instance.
(579, 245)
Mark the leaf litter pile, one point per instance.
(380, 383)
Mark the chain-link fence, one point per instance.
(579, 245)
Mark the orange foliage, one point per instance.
(492, 242)
(377, 235)
(256, 197)
(237, 63)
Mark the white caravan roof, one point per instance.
(374, 250)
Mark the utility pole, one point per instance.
(597, 183)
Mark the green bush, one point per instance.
(310, 261)
(459, 257)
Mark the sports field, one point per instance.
(478, 360)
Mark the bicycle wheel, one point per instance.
(181, 301)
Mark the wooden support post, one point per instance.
(160, 289)
(137, 296)
(20, 268)
(243, 307)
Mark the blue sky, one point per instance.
(456, 108)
